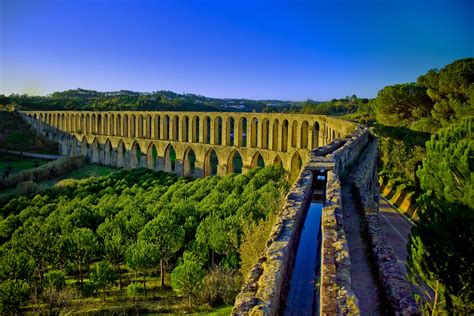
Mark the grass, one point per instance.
(159, 300)
(18, 163)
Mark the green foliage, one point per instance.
(441, 246)
(12, 295)
(220, 286)
(135, 290)
(50, 170)
(187, 277)
(138, 217)
(402, 104)
(103, 275)
(346, 106)
(55, 279)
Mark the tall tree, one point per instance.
(442, 242)
(82, 245)
(167, 235)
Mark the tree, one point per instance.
(82, 244)
(441, 246)
(402, 104)
(141, 256)
(187, 277)
(165, 233)
(103, 275)
(12, 295)
(115, 246)
(56, 294)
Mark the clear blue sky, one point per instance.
(290, 50)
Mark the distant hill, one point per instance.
(81, 99)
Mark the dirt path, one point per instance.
(362, 278)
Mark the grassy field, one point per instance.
(18, 163)
(158, 301)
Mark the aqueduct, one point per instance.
(199, 144)
(189, 143)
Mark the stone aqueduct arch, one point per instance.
(189, 143)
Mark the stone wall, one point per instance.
(397, 290)
(266, 286)
(404, 201)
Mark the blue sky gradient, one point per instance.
(252, 49)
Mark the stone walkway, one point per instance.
(362, 277)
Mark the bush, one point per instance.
(89, 289)
(27, 188)
(186, 278)
(55, 279)
(135, 290)
(50, 170)
(221, 286)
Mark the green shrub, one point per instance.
(12, 295)
(135, 290)
(55, 279)
(89, 289)
(27, 188)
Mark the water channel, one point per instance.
(303, 294)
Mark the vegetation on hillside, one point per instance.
(16, 134)
(80, 99)
(112, 236)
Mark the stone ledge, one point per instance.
(397, 290)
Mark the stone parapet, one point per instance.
(397, 290)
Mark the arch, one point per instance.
(206, 126)
(166, 127)
(275, 130)
(170, 158)
(156, 127)
(95, 151)
(277, 161)
(304, 135)
(294, 134)
(93, 124)
(99, 124)
(189, 163)
(218, 130)
(195, 129)
(315, 136)
(108, 152)
(265, 132)
(230, 131)
(185, 129)
(117, 131)
(211, 161)
(148, 127)
(105, 127)
(135, 156)
(140, 126)
(88, 123)
(242, 132)
(284, 136)
(295, 167)
(257, 161)
(235, 162)
(133, 125)
(125, 126)
(121, 154)
(175, 128)
(111, 130)
(152, 157)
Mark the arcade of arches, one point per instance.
(189, 143)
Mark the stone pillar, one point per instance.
(237, 133)
(260, 134)
(246, 169)
(221, 170)
(199, 169)
(178, 167)
(202, 129)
